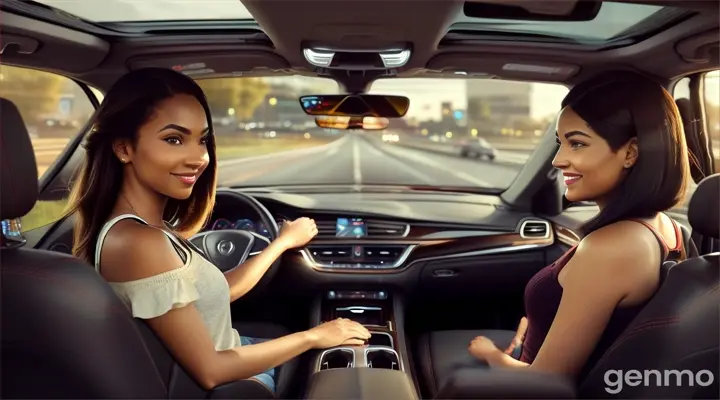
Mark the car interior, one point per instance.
(432, 267)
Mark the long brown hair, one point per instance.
(624, 105)
(126, 107)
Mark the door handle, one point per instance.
(444, 273)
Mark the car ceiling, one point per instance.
(273, 43)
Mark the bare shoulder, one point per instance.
(622, 241)
(133, 251)
(625, 251)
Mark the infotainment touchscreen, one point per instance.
(350, 227)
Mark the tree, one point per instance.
(35, 93)
(242, 95)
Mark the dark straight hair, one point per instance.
(625, 105)
(127, 106)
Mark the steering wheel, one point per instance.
(228, 248)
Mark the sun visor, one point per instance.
(476, 64)
(213, 64)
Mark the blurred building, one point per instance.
(495, 104)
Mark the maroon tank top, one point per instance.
(542, 299)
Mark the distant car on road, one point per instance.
(390, 138)
(478, 148)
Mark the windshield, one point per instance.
(265, 139)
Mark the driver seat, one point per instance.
(65, 334)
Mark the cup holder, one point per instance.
(337, 358)
(382, 358)
(380, 339)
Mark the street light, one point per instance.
(272, 101)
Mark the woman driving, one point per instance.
(148, 184)
(622, 146)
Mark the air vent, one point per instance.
(326, 227)
(382, 254)
(534, 229)
(384, 229)
(331, 254)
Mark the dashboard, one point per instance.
(399, 240)
(366, 234)
(245, 224)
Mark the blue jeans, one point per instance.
(267, 378)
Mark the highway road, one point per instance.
(354, 159)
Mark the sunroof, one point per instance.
(613, 20)
(151, 10)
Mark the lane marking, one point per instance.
(240, 177)
(357, 175)
(417, 157)
(294, 164)
(291, 152)
(386, 156)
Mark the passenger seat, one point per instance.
(677, 330)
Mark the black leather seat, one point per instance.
(677, 330)
(65, 334)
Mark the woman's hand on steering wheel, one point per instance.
(297, 233)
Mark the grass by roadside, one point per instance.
(228, 148)
(44, 212)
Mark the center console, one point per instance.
(379, 368)
(375, 370)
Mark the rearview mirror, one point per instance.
(364, 123)
(356, 105)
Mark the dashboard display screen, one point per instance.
(350, 227)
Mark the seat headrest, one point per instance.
(18, 175)
(704, 207)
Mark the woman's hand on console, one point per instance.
(297, 233)
(338, 332)
(482, 348)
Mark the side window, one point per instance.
(711, 87)
(54, 109)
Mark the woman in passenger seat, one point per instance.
(150, 161)
(622, 146)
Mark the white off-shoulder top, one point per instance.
(198, 281)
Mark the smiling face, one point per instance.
(170, 151)
(590, 167)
